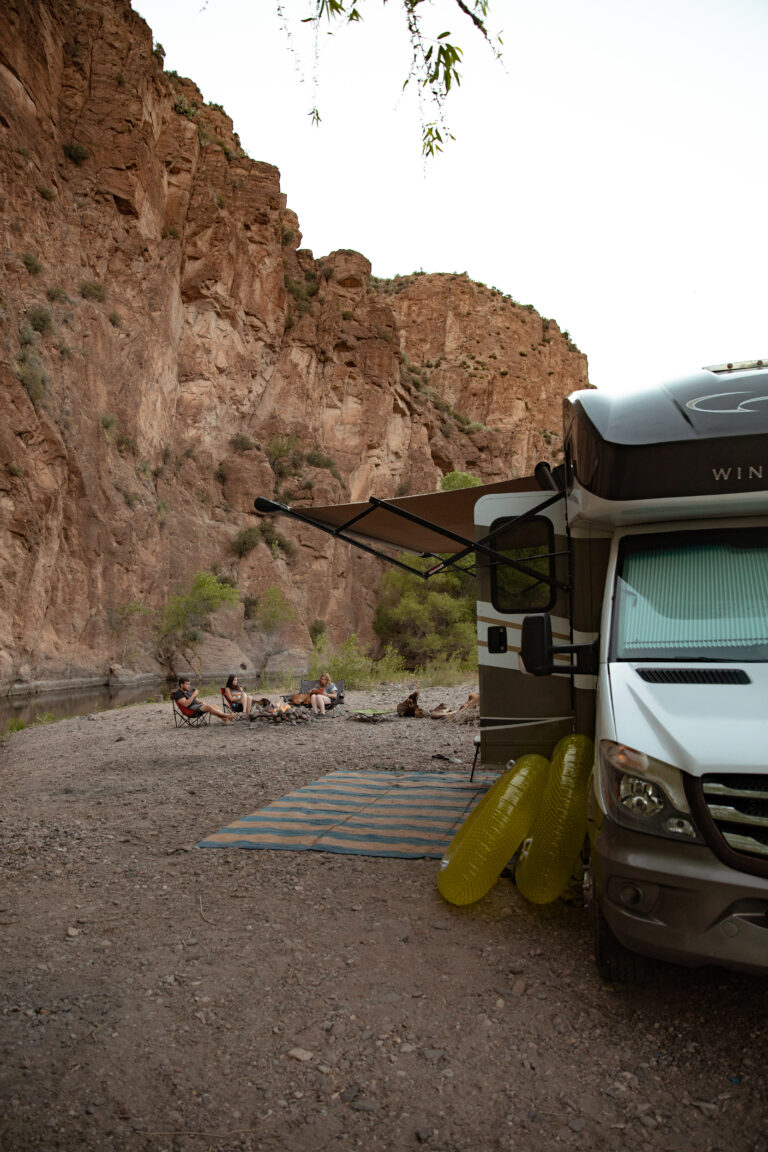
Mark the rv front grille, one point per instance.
(733, 813)
(694, 675)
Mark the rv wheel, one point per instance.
(615, 963)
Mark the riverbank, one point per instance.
(158, 996)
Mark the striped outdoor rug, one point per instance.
(408, 814)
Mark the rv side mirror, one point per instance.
(537, 651)
(536, 645)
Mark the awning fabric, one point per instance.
(453, 511)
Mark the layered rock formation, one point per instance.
(169, 351)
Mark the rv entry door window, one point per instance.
(532, 544)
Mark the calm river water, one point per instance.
(80, 701)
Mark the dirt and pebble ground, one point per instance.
(159, 996)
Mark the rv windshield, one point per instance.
(692, 596)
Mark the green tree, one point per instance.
(435, 60)
(453, 480)
(427, 620)
(186, 614)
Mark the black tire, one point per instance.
(615, 963)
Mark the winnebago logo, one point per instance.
(740, 472)
(726, 402)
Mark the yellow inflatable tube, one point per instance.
(560, 825)
(493, 832)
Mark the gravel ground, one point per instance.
(160, 996)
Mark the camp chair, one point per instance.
(186, 718)
(308, 685)
(226, 706)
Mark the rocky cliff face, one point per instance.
(168, 351)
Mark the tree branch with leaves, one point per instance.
(435, 61)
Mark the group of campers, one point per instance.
(238, 702)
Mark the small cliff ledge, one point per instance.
(168, 351)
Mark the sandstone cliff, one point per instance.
(168, 351)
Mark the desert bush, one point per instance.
(55, 293)
(279, 449)
(451, 481)
(445, 672)
(115, 319)
(90, 290)
(350, 662)
(31, 263)
(276, 541)
(241, 443)
(31, 375)
(46, 192)
(245, 541)
(126, 445)
(16, 724)
(39, 318)
(319, 459)
(316, 629)
(347, 662)
(108, 421)
(77, 153)
(250, 607)
(186, 108)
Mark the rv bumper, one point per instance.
(677, 902)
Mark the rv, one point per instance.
(624, 595)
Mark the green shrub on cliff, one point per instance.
(187, 613)
(451, 481)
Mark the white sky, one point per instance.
(613, 172)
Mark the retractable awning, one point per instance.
(431, 524)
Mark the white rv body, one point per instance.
(679, 807)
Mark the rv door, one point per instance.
(521, 713)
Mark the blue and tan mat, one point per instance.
(408, 814)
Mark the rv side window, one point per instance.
(532, 543)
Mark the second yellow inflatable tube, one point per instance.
(560, 825)
(493, 832)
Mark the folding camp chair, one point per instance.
(225, 704)
(307, 685)
(188, 718)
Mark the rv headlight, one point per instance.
(642, 797)
(644, 794)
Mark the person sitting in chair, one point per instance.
(237, 698)
(324, 694)
(188, 698)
